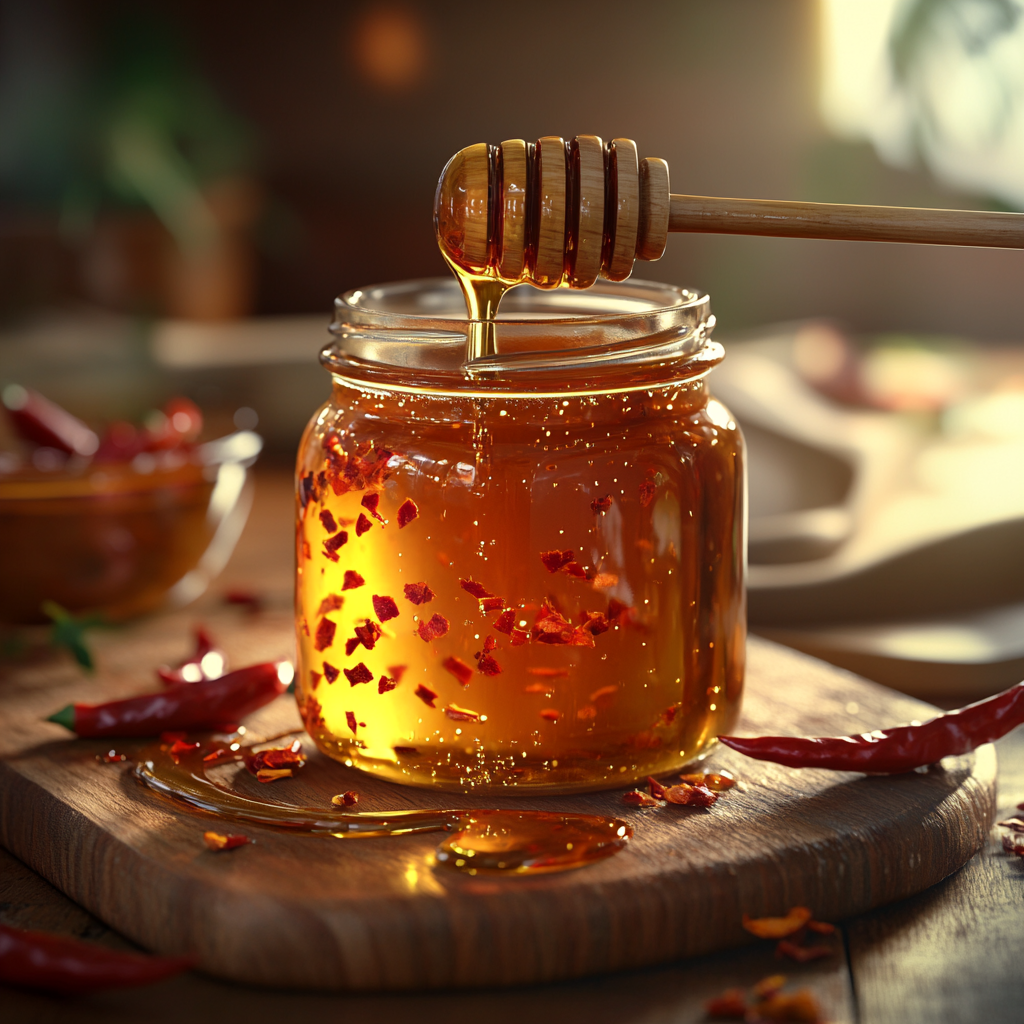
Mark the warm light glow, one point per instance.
(389, 45)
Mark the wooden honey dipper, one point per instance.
(556, 214)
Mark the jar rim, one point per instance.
(415, 333)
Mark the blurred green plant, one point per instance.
(68, 631)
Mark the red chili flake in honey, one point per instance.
(384, 684)
(312, 715)
(359, 674)
(409, 751)
(537, 688)
(554, 560)
(352, 580)
(368, 634)
(778, 927)
(490, 644)
(505, 622)
(601, 505)
(418, 593)
(656, 788)
(330, 672)
(384, 607)
(519, 637)
(307, 552)
(687, 795)
(668, 716)
(276, 757)
(273, 774)
(396, 672)
(325, 634)
(730, 1005)
(647, 490)
(551, 627)
(547, 673)
(605, 581)
(351, 644)
(332, 544)
(492, 604)
(478, 590)
(113, 757)
(434, 628)
(427, 695)
(619, 613)
(407, 512)
(347, 799)
(362, 525)
(488, 665)
(314, 679)
(581, 638)
(328, 520)
(218, 843)
(802, 954)
(370, 503)
(458, 668)
(586, 712)
(595, 623)
(637, 799)
(331, 603)
(350, 718)
(457, 714)
(551, 714)
(576, 570)
(603, 695)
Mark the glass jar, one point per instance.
(528, 570)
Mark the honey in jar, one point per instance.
(529, 575)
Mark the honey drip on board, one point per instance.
(479, 840)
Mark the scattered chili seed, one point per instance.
(647, 490)
(687, 795)
(331, 603)
(330, 672)
(352, 580)
(802, 954)
(217, 842)
(601, 505)
(418, 593)
(407, 512)
(434, 629)
(384, 684)
(385, 607)
(325, 634)
(554, 560)
(478, 590)
(458, 714)
(458, 668)
(273, 774)
(777, 927)
(428, 696)
(350, 719)
(328, 520)
(637, 799)
(359, 674)
(551, 714)
(347, 799)
(370, 503)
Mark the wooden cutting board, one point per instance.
(319, 912)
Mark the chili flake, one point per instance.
(367, 635)
(656, 788)
(519, 637)
(777, 927)
(488, 665)
(328, 520)
(458, 668)
(800, 1006)
(555, 560)
(407, 512)
(619, 613)
(595, 623)
(458, 714)
(668, 716)
(330, 672)
(385, 607)
(396, 672)
(347, 799)
(331, 603)
(362, 525)
(273, 774)
(693, 796)
(359, 674)
(730, 1005)
(604, 581)
(478, 590)
(586, 712)
(325, 634)
(217, 842)
(351, 644)
(538, 688)
(314, 679)
(433, 629)
(408, 751)
(492, 604)
(547, 673)
(350, 719)
(370, 502)
(352, 580)
(637, 799)
(505, 622)
(647, 490)
(384, 684)
(576, 570)
(276, 757)
(802, 954)
(428, 696)
(418, 593)
(333, 543)
(551, 714)
(601, 505)
(717, 782)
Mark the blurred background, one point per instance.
(185, 187)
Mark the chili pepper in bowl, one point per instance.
(57, 963)
(214, 704)
(890, 751)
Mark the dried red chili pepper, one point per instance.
(331, 603)
(325, 634)
(330, 672)
(601, 505)
(359, 674)
(554, 560)
(38, 420)
(362, 525)
(427, 695)
(407, 512)
(328, 521)
(458, 668)
(637, 799)
(434, 628)
(418, 593)
(217, 842)
(385, 608)
(352, 580)
(212, 704)
(894, 750)
(207, 661)
(478, 590)
(56, 963)
(370, 502)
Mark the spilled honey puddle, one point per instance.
(478, 840)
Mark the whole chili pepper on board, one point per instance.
(57, 963)
(211, 704)
(894, 750)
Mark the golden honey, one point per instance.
(530, 576)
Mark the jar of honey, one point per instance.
(523, 570)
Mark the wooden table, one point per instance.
(950, 954)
